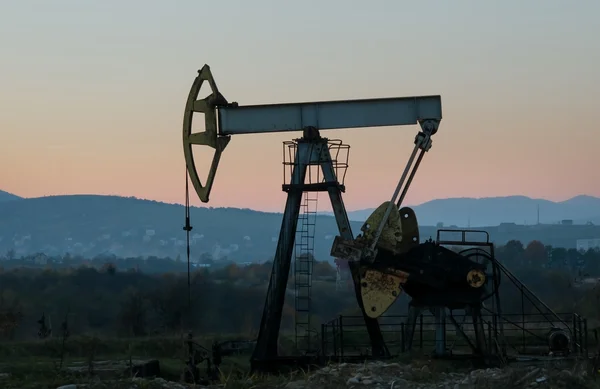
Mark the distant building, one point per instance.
(566, 222)
(40, 259)
(507, 227)
(586, 244)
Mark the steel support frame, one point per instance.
(312, 149)
(378, 347)
(479, 347)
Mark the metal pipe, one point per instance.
(386, 215)
(410, 178)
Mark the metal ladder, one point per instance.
(303, 265)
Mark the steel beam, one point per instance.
(328, 115)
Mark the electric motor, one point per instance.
(559, 341)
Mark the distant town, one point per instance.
(125, 227)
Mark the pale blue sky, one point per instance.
(93, 92)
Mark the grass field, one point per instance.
(37, 364)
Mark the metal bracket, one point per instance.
(209, 137)
(428, 129)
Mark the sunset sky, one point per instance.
(92, 93)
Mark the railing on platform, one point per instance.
(346, 336)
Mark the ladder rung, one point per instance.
(304, 251)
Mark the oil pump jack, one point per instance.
(387, 257)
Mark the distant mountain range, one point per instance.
(125, 226)
(5, 196)
(492, 211)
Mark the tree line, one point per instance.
(107, 296)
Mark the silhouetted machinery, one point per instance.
(197, 354)
(435, 277)
(388, 257)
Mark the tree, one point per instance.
(558, 256)
(591, 262)
(10, 313)
(109, 268)
(514, 248)
(535, 253)
(323, 269)
(511, 254)
(132, 314)
(170, 303)
(232, 272)
(573, 259)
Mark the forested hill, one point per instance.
(91, 225)
(5, 196)
(492, 211)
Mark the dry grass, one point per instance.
(30, 371)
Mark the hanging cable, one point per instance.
(187, 228)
